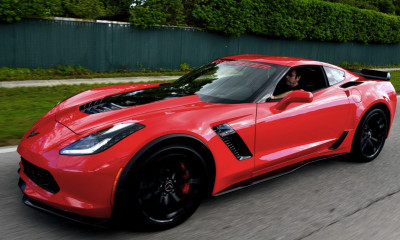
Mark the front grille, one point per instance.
(41, 177)
(98, 107)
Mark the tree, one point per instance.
(117, 9)
(385, 6)
(146, 13)
(88, 9)
(14, 10)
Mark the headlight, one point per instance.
(101, 140)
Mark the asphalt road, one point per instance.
(332, 199)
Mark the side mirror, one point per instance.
(296, 96)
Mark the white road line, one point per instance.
(8, 149)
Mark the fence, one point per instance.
(106, 46)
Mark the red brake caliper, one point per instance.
(186, 175)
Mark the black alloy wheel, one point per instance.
(169, 187)
(370, 136)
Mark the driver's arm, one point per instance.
(282, 95)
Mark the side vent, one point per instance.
(339, 141)
(350, 84)
(233, 141)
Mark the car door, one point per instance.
(301, 130)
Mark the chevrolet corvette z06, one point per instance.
(148, 153)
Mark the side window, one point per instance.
(334, 75)
(309, 78)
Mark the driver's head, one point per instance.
(293, 78)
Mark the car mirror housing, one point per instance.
(298, 96)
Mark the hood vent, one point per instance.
(98, 107)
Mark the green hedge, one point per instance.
(292, 19)
(298, 19)
(14, 10)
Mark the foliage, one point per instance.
(14, 10)
(90, 9)
(157, 12)
(385, 6)
(184, 67)
(396, 4)
(321, 20)
(8, 12)
(298, 19)
(117, 9)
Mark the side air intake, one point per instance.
(350, 84)
(233, 141)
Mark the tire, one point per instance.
(370, 136)
(167, 189)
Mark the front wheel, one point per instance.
(168, 187)
(370, 136)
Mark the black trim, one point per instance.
(339, 141)
(21, 184)
(274, 174)
(94, 222)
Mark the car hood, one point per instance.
(117, 104)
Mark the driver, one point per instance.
(288, 84)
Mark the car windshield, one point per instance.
(226, 81)
(221, 81)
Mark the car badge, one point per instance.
(33, 133)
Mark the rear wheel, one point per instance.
(370, 136)
(168, 188)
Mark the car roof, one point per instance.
(280, 60)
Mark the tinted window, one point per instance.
(312, 79)
(225, 81)
(334, 75)
(221, 81)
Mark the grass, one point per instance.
(73, 72)
(357, 65)
(22, 106)
(395, 79)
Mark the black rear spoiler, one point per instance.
(374, 74)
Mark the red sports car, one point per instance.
(148, 153)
